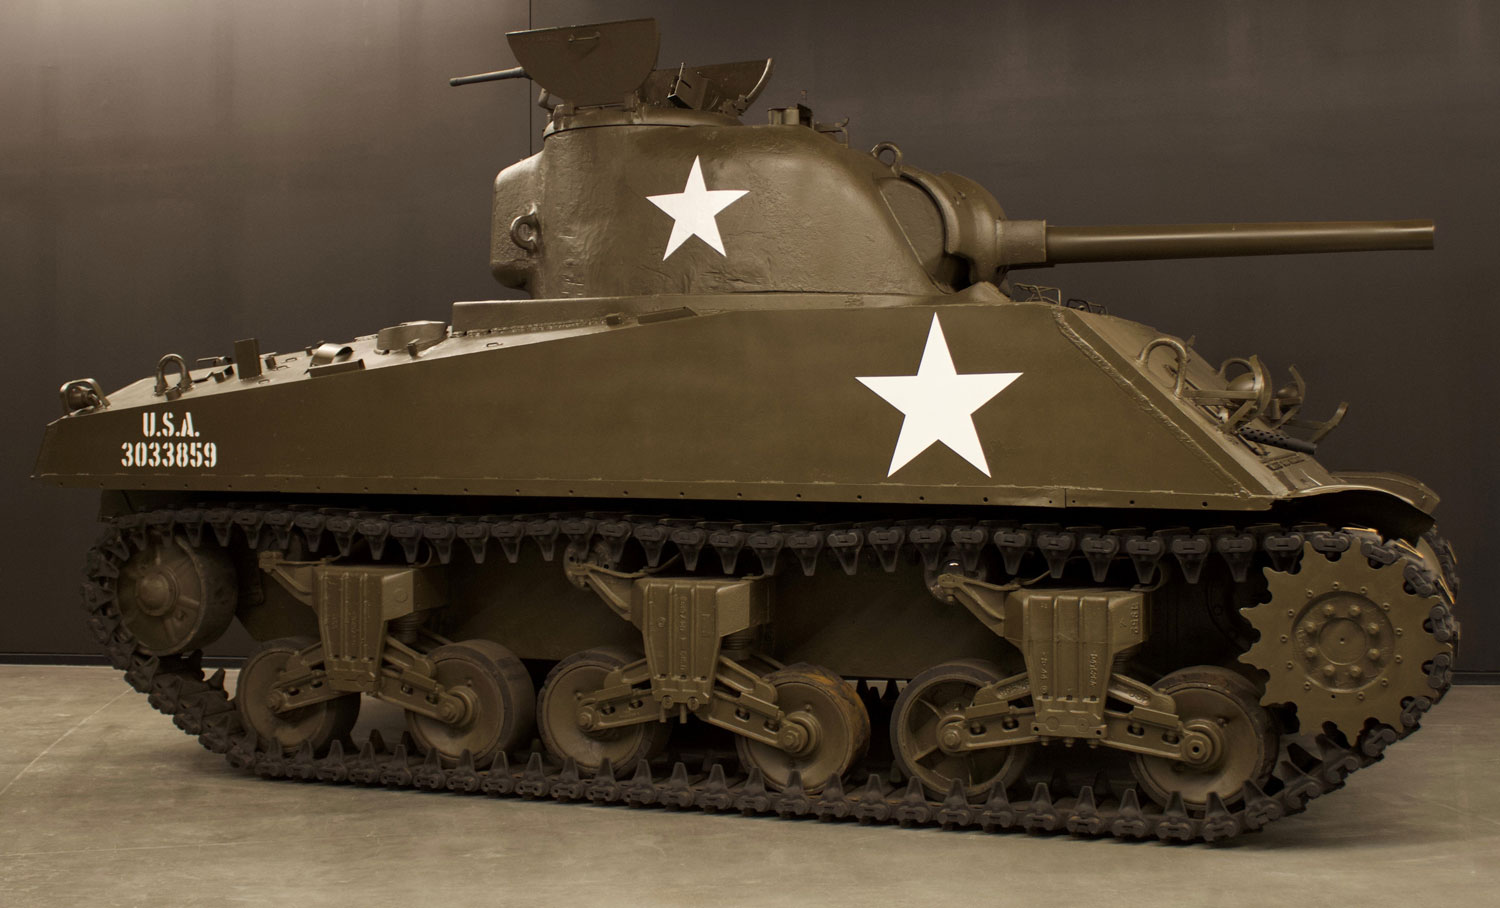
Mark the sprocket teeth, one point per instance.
(1343, 641)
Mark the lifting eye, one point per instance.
(184, 381)
(526, 230)
(82, 394)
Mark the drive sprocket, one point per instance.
(1344, 641)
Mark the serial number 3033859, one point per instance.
(171, 443)
(169, 454)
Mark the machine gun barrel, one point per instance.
(515, 72)
(1183, 241)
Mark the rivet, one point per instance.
(1328, 670)
(1372, 629)
(1373, 655)
(1354, 611)
(1328, 608)
(1360, 696)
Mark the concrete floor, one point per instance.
(103, 803)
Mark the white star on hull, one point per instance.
(939, 404)
(694, 210)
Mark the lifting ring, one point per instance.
(895, 162)
(184, 381)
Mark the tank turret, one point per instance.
(629, 147)
(774, 477)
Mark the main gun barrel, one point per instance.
(1039, 243)
(1180, 241)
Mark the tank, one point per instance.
(782, 494)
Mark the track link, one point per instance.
(1308, 766)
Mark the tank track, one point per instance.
(1308, 766)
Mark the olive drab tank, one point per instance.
(783, 495)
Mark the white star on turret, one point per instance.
(939, 403)
(693, 210)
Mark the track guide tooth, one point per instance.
(396, 771)
(1039, 814)
(956, 812)
(715, 795)
(1129, 821)
(533, 782)
(998, 812)
(1084, 819)
(429, 775)
(753, 798)
(913, 809)
(463, 777)
(304, 764)
(1259, 809)
(640, 790)
(1174, 823)
(333, 768)
(568, 786)
(833, 804)
(499, 780)
(602, 788)
(1218, 822)
(873, 803)
(365, 768)
(792, 801)
(678, 790)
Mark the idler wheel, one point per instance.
(319, 724)
(176, 598)
(928, 705)
(1230, 739)
(825, 731)
(500, 703)
(564, 727)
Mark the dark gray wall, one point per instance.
(176, 174)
